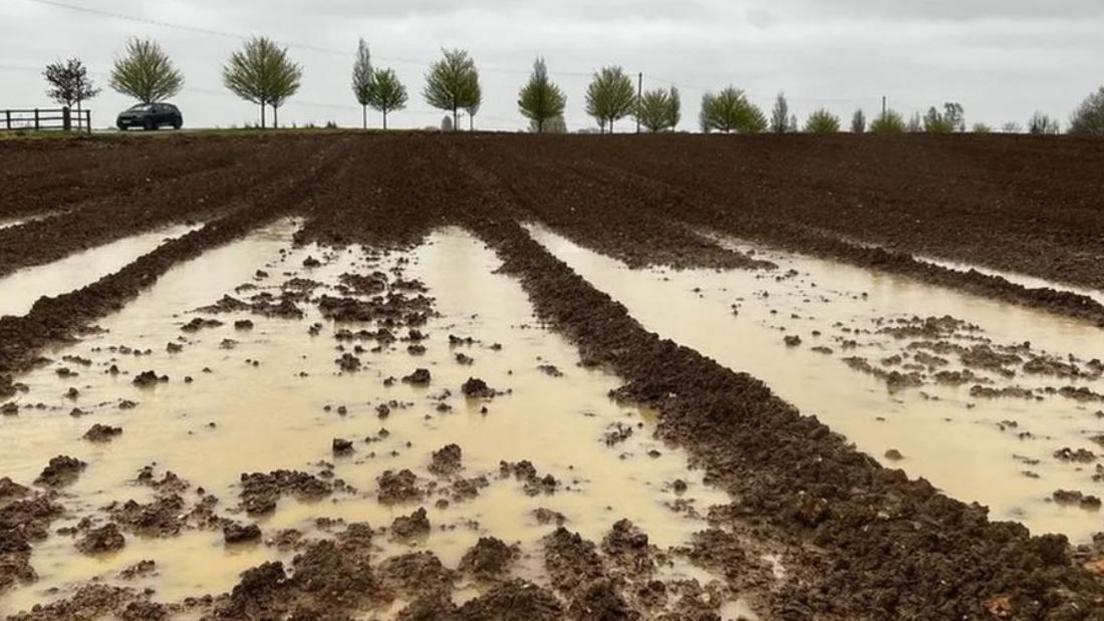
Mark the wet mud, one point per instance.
(790, 520)
(452, 507)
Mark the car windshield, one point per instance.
(141, 108)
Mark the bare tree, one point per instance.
(858, 122)
(1089, 117)
(69, 84)
(1040, 123)
(780, 115)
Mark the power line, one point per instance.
(58, 4)
(290, 43)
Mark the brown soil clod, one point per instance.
(398, 487)
(62, 470)
(101, 540)
(410, 527)
(489, 559)
(476, 388)
(10, 490)
(150, 378)
(236, 533)
(200, 323)
(446, 461)
(420, 377)
(1072, 497)
(261, 491)
(102, 433)
(342, 446)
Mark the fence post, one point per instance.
(66, 119)
(7, 115)
(88, 120)
(36, 119)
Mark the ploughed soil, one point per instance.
(868, 542)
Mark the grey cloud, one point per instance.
(1001, 59)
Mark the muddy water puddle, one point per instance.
(1025, 280)
(21, 220)
(940, 384)
(20, 290)
(372, 427)
(1018, 278)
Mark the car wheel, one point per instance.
(121, 127)
(176, 124)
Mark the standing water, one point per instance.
(990, 402)
(241, 392)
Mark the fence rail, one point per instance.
(46, 119)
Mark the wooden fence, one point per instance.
(42, 119)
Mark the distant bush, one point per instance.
(889, 123)
(146, 73)
(915, 124)
(780, 116)
(1089, 117)
(331, 125)
(822, 122)
(659, 110)
(952, 119)
(981, 128)
(610, 97)
(730, 111)
(1042, 124)
(452, 84)
(1011, 127)
(540, 100)
(555, 125)
(858, 122)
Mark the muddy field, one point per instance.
(415, 376)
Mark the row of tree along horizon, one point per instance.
(262, 73)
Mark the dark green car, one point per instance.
(150, 117)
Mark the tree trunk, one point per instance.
(540, 126)
(365, 111)
(455, 120)
(471, 122)
(263, 112)
(385, 119)
(275, 117)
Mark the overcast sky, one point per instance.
(1002, 59)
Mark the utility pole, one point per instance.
(639, 96)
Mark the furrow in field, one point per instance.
(298, 370)
(45, 179)
(792, 472)
(204, 195)
(954, 396)
(57, 318)
(24, 287)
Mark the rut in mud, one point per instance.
(379, 425)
